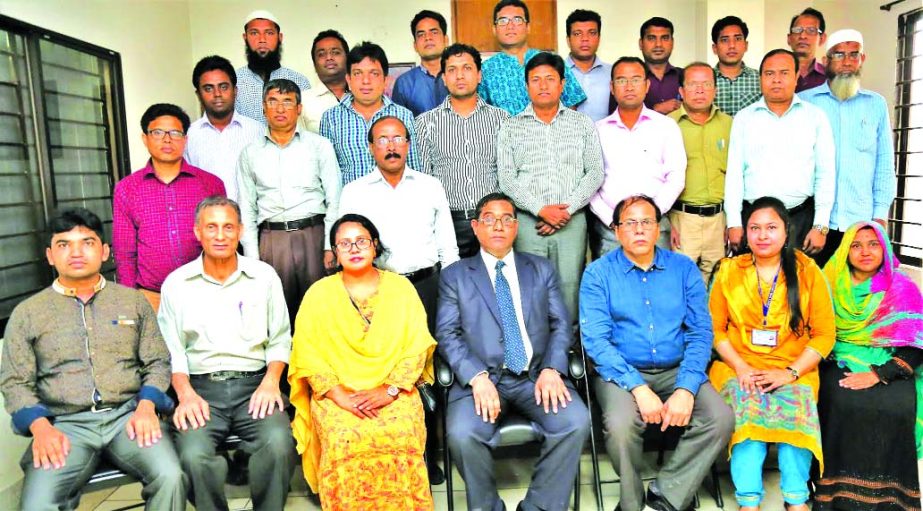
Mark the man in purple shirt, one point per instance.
(153, 209)
(656, 44)
(806, 31)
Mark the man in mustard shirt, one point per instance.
(697, 217)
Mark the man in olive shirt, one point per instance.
(83, 370)
(224, 319)
(697, 217)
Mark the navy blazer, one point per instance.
(468, 325)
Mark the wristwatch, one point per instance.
(823, 229)
(794, 372)
(393, 391)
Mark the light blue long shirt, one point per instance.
(595, 84)
(865, 180)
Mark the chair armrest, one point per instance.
(575, 364)
(444, 375)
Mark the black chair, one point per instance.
(514, 430)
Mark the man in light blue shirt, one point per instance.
(781, 147)
(421, 89)
(865, 180)
(594, 75)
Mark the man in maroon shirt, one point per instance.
(656, 44)
(806, 31)
(153, 209)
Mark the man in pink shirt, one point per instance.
(643, 155)
(153, 209)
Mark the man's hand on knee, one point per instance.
(50, 445)
(649, 404)
(264, 400)
(551, 391)
(144, 425)
(192, 410)
(678, 409)
(486, 398)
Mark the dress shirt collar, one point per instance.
(377, 177)
(206, 122)
(426, 71)
(711, 114)
(447, 104)
(267, 139)
(760, 104)
(670, 68)
(72, 291)
(347, 102)
(824, 88)
(818, 68)
(196, 270)
(744, 70)
(626, 265)
(597, 63)
(530, 112)
(491, 262)
(616, 119)
(184, 168)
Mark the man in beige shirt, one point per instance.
(224, 319)
(328, 52)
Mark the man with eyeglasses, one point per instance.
(781, 147)
(263, 46)
(645, 324)
(583, 32)
(153, 209)
(421, 89)
(215, 140)
(697, 218)
(504, 330)
(656, 45)
(347, 124)
(502, 84)
(806, 32)
(289, 190)
(738, 86)
(865, 180)
(328, 52)
(411, 212)
(642, 152)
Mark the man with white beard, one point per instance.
(865, 180)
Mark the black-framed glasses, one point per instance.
(806, 30)
(360, 243)
(506, 220)
(515, 20)
(159, 134)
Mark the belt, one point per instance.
(293, 225)
(463, 214)
(416, 276)
(227, 375)
(708, 210)
(100, 408)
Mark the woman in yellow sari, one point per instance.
(360, 346)
(773, 322)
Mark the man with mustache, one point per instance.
(263, 46)
(806, 31)
(328, 52)
(421, 89)
(656, 44)
(865, 180)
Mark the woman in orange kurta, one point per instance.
(361, 344)
(773, 322)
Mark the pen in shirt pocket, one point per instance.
(721, 144)
(240, 308)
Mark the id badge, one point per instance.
(768, 338)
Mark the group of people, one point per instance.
(307, 251)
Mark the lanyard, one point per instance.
(772, 291)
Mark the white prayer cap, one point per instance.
(260, 15)
(845, 35)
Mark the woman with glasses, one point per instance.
(773, 323)
(870, 387)
(360, 346)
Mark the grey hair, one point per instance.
(284, 86)
(214, 201)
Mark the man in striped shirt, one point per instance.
(457, 142)
(865, 180)
(549, 162)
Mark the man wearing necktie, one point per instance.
(503, 328)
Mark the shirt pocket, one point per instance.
(865, 136)
(254, 325)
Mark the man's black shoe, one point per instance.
(660, 503)
(436, 476)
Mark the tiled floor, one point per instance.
(513, 477)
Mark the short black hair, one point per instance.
(511, 3)
(427, 14)
(545, 59)
(633, 199)
(725, 22)
(325, 34)
(66, 219)
(365, 223)
(656, 21)
(630, 60)
(583, 15)
(284, 86)
(778, 51)
(364, 50)
(492, 197)
(458, 49)
(213, 63)
(822, 24)
(388, 118)
(698, 63)
(164, 109)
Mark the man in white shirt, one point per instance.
(224, 320)
(214, 141)
(328, 52)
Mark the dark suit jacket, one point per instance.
(468, 325)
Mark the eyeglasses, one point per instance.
(515, 20)
(384, 141)
(635, 81)
(506, 220)
(840, 55)
(696, 85)
(287, 104)
(806, 30)
(646, 225)
(159, 134)
(360, 243)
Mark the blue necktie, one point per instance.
(514, 351)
